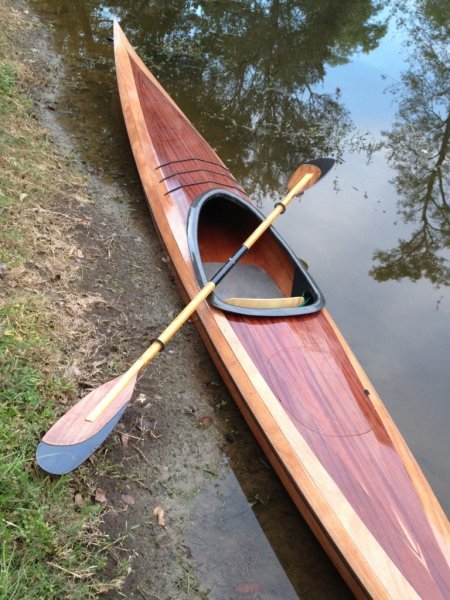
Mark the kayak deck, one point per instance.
(297, 383)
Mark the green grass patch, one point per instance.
(7, 78)
(50, 547)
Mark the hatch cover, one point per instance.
(317, 392)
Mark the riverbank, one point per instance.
(52, 544)
(76, 259)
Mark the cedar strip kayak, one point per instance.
(303, 393)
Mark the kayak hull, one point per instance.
(297, 383)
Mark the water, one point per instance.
(269, 84)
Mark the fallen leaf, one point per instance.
(127, 498)
(98, 363)
(124, 438)
(144, 425)
(74, 251)
(159, 513)
(248, 588)
(212, 384)
(82, 199)
(22, 197)
(86, 384)
(3, 269)
(78, 500)
(72, 371)
(100, 496)
(63, 399)
(205, 422)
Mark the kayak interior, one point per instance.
(269, 281)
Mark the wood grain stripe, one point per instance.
(203, 170)
(194, 158)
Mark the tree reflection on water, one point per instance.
(418, 150)
(251, 71)
(247, 73)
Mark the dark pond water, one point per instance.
(269, 84)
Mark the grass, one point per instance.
(50, 546)
(7, 78)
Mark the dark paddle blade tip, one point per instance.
(324, 164)
(316, 169)
(61, 459)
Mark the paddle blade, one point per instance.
(318, 167)
(72, 439)
(58, 460)
(324, 164)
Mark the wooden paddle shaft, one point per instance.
(184, 315)
(279, 209)
(151, 351)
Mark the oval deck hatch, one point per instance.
(317, 392)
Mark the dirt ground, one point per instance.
(123, 263)
(174, 449)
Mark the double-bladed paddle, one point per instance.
(78, 433)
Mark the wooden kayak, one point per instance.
(300, 388)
